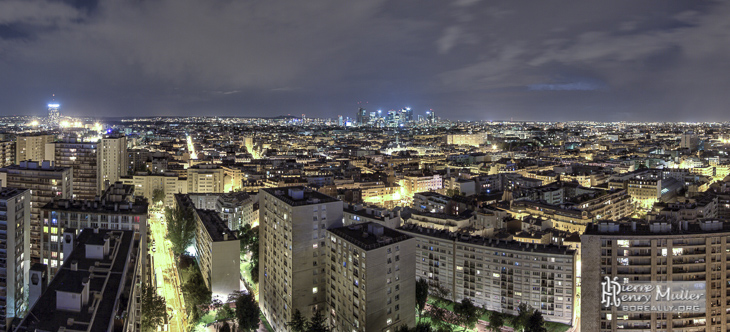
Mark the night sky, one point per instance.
(466, 59)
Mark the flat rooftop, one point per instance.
(9, 192)
(139, 206)
(308, 197)
(369, 236)
(106, 280)
(487, 242)
(215, 226)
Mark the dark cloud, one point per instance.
(470, 59)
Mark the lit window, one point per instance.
(314, 290)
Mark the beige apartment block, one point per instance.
(658, 251)
(372, 281)
(293, 258)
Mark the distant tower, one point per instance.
(53, 112)
(430, 116)
(362, 116)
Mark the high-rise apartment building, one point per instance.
(638, 252)
(15, 221)
(32, 147)
(689, 140)
(82, 158)
(46, 182)
(293, 258)
(498, 275)
(217, 253)
(112, 160)
(116, 209)
(372, 283)
(137, 159)
(7, 153)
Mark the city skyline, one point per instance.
(466, 60)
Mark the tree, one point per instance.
(524, 311)
(180, 227)
(197, 292)
(421, 327)
(421, 294)
(297, 323)
(535, 323)
(467, 313)
(496, 321)
(318, 323)
(225, 313)
(154, 308)
(158, 196)
(248, 236)
(441, 318)
(254, 248)
(402, 328)
(247, 312)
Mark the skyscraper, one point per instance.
(54, 114)
(112, 160)
(362, 116)
(430, 116)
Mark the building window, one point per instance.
(314, 290)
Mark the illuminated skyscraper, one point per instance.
(430, 116)
(362, 116)
(53, 113)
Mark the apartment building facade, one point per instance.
(46, 182)
(371, 284)
(498, 275)
(293, 260)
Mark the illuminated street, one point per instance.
(168, 281)
(191, 148)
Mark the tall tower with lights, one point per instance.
(54, 114)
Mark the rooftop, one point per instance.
(9, 192)
(215, 226)
(299, 195)
(638, 227)
(487, 242)
(369, 236)
(106, 278)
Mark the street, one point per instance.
(167, 278)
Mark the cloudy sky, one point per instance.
(465, 59)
